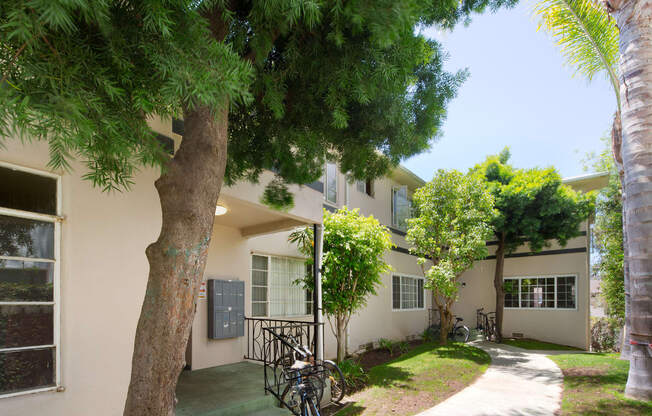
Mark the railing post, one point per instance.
(317, 299)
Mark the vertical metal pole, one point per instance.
(317, 300)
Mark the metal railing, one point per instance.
(259, 342)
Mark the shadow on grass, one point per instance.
(391, 372)
(351, 410)
(580, 382)
(611, 407)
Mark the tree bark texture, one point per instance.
(188, 191)
(341, 337)
(499, 286)
(445, 319)
(634, 20)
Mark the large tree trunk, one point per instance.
(634, 20)
(499, 286)
(188, 192)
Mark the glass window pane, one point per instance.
(27, 192)
(259, 294)
(26, 325)
(259, 278)
(396, 292)
(259, 262)
(27, 369)
(20, 237)
(566, 292)
(511, 293)
(420, 293)
(331, 182)
(259, 309)
(24, 281)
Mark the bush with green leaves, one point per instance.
(605, 334)
(354, 375)
(449, 234)
(403, 347)
(427, 335)
(387, 345)
(353, 262)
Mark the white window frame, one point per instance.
(56, 302)
(409, 276)
(268, 301)
(361, 187)
(337, 183)
(555, 276)
(395, 222)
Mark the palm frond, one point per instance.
(586, 34)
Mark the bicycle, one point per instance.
(458, 333)
(326, 369)
(489, 329)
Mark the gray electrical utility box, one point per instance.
(225, 308)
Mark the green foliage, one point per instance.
(427, 335)
(353, 260)
(532, 205)
(387, 345)
(605, 334)
(587, 35)
(403, 347)
(354, 375)
(608, 237)
(451, 229)
(85, 75)
(304, 81)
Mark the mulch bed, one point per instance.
(372, 358)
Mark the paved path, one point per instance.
(518, 382)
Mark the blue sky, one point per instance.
(519, 94)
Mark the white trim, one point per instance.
(543, 276)
(56, 282)
(267, 287)
(32, 391)
(29, 170)
(27, 303)
(412, 276)
(31, 347)
(30, 259)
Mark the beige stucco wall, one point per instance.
(103, 277)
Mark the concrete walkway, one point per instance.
(518, 382)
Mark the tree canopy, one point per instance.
(451, 229)
(533, 207)
(305, 80)
(352, 265)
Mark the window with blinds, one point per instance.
(275, 287)
(407, 293)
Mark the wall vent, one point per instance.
(517, 334)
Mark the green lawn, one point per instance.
(418, 380)
(532, 344)
(594, 385)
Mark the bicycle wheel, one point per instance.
(291, 400)
(310, 408)
(338, 385)
(461, 334)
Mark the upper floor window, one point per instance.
(401, 207)
(29, 275)
(407, 292)
(331, 182)
(365, 187)
(550, 292)
(274, 288)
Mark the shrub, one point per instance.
(605, 334)
(426, 335)
(403, 347)
(354, 375)
(387, 345)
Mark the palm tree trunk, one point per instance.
(634, 20)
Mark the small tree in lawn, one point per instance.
(352, 265)
(534, 207)
(451, 229)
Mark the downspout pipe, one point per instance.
(317, 294)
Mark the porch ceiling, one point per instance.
(253, 219)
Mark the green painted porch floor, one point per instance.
(228, 390)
